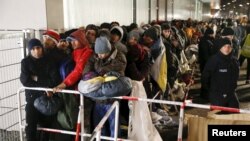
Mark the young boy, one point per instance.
(106, 59)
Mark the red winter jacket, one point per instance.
(80, 57)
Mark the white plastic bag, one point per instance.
(141, 127)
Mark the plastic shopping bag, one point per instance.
(141, 127)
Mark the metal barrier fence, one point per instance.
(97, 132)
(80, 121)
(12, 51)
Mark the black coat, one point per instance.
(56, 55)
(46, 72)
(139, 70)
(220, 75)
(206, 50)
(172, 62)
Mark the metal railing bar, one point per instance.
(11, 49)
(7, 96)
(7, 107)
(10, 65)
(9, 80)
(11, 126)
(8, 112)
(74, 133)
(11, 30)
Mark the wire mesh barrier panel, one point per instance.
(11, 53)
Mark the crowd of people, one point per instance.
(60, 61)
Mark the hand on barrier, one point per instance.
(59, 87)
(49, 94)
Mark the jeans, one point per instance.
(109, 127)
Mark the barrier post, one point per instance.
(80, 120)
(98, 128)
(19, 113)
(98, 135)
(180, 128)
(116, 120)
(82, 113)
(78, 125)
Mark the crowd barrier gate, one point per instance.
(80, 122)
(97, 132)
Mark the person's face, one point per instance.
(75, 44)
(115, 38)
(194, 39)
(103, 56)
(91, 36)
(63, 44)
(166, 33)
(147, 40)
(226, 49)
(132, 41)
(179, 24)
(36, 52)
(48, 42)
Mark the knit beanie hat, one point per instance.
(55, 36)
(102, 45)
(133, 33)
(221, 42)
(152, 33)
(34, 42)
(227, 31)
(105, 33)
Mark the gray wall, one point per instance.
(54, 12)
(206, 11)
(20, 14)
(184, 9)
(60, 14)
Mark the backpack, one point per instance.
(66, 67)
